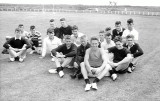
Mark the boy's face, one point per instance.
(33, 31)
(119, 45)
(63, 23)
(21, 27)
(94, 44)
(51, 34)
(52, 24)
(118, 27)
(74, 32)
(130, 26)
(68, 42)
(130, 41)
(18, 33)
(101, 36)
(108, 38)
(83, 41)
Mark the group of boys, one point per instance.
(113, 52)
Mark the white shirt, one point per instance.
(49, 44)
(106, 45)
(25, 34)
(133, 32)
(76, 41)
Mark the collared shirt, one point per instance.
(76, 41)
(17, 38)
(49, 44)
(133, 32)
(106, 45)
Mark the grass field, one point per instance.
(30, 80)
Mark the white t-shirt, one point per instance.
(106, 45)
(133, 32)
(76, 41)
(50, 44)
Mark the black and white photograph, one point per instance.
(79, 50)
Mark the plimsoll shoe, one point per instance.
(21, 59)
(114, 77)
(88, 87)
(94, 86)
(53, 71)
(61, 74)
(12, 59)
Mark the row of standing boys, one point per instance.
(114, 51)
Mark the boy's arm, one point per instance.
(73, 51)
(58, 49)
(139, 52)
(88, 67)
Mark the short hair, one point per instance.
(101, 31)
(83, 37)
(94, 38)
(62, 19)
(52, 20)
(108, 28)
(32, 27)
(75, 27)
(129, 36)
(67, 37)
(118, 38)
(18, 30)
(20, 25)
(50, 30)
(108, 34)
(117, 22)
(129, 21)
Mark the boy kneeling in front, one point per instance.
(95, 64)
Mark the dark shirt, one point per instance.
(119, 55)
(17, 43)
(81, 50)
(135, 49)
(115, 33)
(71, 52)
(65, 31)
(57, 32)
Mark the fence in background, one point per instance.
(145, 13)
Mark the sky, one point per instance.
(87, 2)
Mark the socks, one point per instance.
(96, 80)
(87, 81)
(112, 71)
(130, 65)
(59, 69)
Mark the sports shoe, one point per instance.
(94, 86)
(129, 70)
(12, 59)
(21, 59)
(114, 77)
(61, 74)
(53, 71)
(88, 87)
(133, 67)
